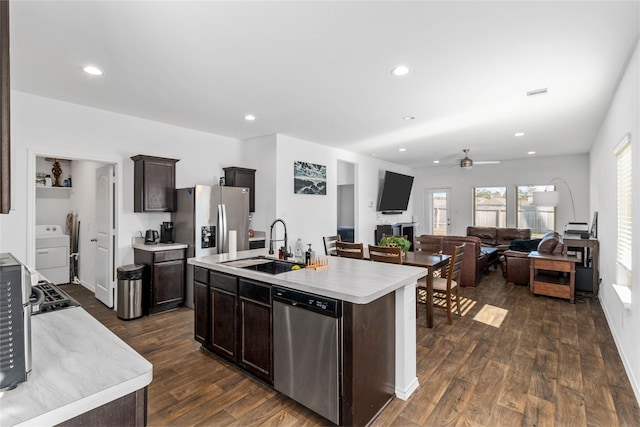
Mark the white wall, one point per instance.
(622, 117)
(260, 154)
(534, 171)
(310, 217)
(42, 126)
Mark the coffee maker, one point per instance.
(166, 232)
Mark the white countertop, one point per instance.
(157, 246)
(78, 365)
(351, 280)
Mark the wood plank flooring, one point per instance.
(549, 363)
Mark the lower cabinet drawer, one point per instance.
(171, 255)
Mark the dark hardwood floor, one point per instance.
(548, 363)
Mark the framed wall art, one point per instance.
(309, 178)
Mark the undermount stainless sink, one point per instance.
(265, 265)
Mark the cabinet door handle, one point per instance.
(94, 240)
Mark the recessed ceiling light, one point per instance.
(249, 117)
(519, 134)
(436, 161)
(400, 70)
(94, 71)
(408, 118)
(531, 152)
(402, 149)
(534, 92)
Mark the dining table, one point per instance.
(431, 262)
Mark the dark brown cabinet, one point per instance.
(224, 320)
(255, 328)
(242, 177)
(233, 320)
(163, 279)
(154, 184)
(201, 304)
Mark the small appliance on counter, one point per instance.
(151, 237)
(166, 232)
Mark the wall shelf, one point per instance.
(54, 192)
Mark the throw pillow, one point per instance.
(548, 244)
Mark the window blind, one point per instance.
(623, 155)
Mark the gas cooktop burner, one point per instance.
(54, 298)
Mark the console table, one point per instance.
(592, 247)
(552, 285)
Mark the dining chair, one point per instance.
(330, 245)
(385, 254)
(430, 244)
(444, 288)
(350, 250)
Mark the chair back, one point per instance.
(429, 244)
(385, 254)
(455, 265)
(330, 245)
(350, 250)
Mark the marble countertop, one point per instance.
(77, 365)
(138, 243)
(351, 280)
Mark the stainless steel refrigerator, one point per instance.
(203, 217)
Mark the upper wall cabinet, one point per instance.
(154, 184)
(5, 163)
(242, 177)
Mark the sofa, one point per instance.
(515, 260)
(474, 261)
(498, 237)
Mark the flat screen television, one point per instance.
(396, 190)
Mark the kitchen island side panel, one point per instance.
(368, 359)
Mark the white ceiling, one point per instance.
(320, 71)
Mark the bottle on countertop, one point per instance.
(299, 251)
(309, 255)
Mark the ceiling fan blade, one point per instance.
(486, 162)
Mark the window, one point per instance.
(490, 207)
(623, 226)
(539, 219)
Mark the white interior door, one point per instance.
(105, 235)
(437, 211)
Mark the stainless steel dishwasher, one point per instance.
(306, 350)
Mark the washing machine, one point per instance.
(52, 253)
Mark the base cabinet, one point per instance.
(223, 322)
(163, 279)
(129, 410)
(233, 320)
(255, 328)
(201, 308)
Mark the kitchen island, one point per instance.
(82, 374)
(378, 321)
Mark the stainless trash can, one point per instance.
(130, 291)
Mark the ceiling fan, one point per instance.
(467, 163)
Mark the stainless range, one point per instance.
(54, 298)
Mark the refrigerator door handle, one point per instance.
(225, 230)
(220, 235)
